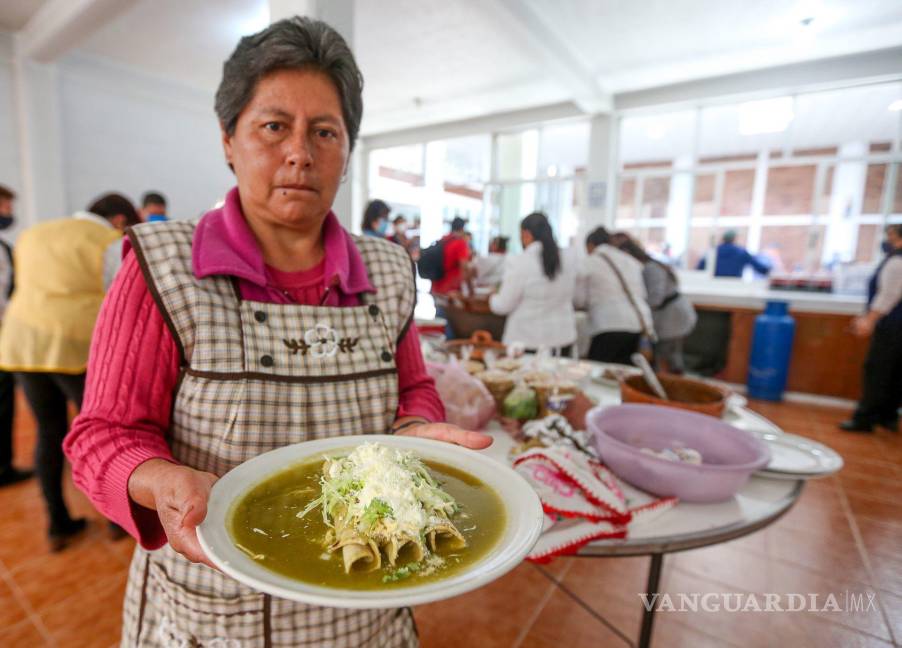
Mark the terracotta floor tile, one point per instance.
(879, 470)
(838, 552)
(868, 485)
(11, 609)
(892, 605)
(612, 588)
(786, 579)
(492, 616)
(89, 619)
(725, 564)
(563, 623)
(887, 573)
(803, 629)
(882, 537)
(867, 507)
(22, 635)
(50, 579)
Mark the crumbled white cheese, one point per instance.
(384, 477)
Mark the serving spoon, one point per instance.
(649, 374)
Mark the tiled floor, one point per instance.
(845, 534)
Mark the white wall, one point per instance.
(127, 132)
(9, 142)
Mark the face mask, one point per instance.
(886, 246)
(383, 227)
(6, 221)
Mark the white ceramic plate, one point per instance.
(522, 529)
(795, 457)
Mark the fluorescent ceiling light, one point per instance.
(767, 116)
(896, 105)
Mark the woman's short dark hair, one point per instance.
(292, 43)
(537, 224)
(598, 236)
(6, 193)
(374, 211)
(499, 243)
(113, 204)
(632, 247)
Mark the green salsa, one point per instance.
(265, 526)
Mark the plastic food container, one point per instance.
(729, 455)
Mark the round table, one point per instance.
(686, 526)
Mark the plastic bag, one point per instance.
(468, 404)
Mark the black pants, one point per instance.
(47, 395)
(7, 407)
(614, 346)
(881, 389)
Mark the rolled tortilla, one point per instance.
(445, 528)
(395, 544)
(357, 550)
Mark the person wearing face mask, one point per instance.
(153, 207)
(882, 380)
(375, 219)
(9, 474)
(399, 232)
(537, 291)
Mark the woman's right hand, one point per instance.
(179, 495)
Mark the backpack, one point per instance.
(432, 261)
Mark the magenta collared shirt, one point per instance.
(225, 245)
(134, 363)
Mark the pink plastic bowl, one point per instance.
(729, 455)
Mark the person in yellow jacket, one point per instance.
(47, 327)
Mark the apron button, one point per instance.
(374, 310)
(386, 356)
(267, 361)
(260, 316)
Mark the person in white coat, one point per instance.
(536, 291)
(612, 290)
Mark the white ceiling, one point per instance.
(428, 61)
(821, 119)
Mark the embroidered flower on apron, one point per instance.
(323, 340)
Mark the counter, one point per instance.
(826, 359)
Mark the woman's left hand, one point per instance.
(449, 433)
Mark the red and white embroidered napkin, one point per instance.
(582, 499)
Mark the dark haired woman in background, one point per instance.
(375, 219)
(47, 330)
(611, 288)
(536, 292)
(672, 314)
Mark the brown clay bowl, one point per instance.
(684, 393)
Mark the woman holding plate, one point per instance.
(262, 324)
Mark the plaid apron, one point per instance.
(256, 377)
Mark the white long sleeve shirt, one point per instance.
(539, 311)
(889, 286)
(600, 292)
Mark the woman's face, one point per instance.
(290, 149)
(526, 238)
